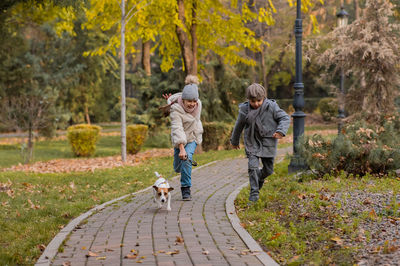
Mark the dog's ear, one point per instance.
(170, 189)
(155, 188)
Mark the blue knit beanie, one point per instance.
(190, 92)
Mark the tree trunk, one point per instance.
(146, 57)
(193, 32)
(357, 9)
(263, 69)
(29, 153)
(123, 102)
(87, 114)
(184, 41)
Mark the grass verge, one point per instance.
(302, 221)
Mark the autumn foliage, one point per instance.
(83, 139)
(135, 137)
(368, 51)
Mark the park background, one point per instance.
(60, 66)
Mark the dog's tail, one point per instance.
(157, 174)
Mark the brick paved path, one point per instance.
(135, 224)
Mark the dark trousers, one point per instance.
(257, 175)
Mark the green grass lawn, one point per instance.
(50, 149)
(36, 206)
(300, 226)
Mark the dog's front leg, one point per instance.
(169, 202)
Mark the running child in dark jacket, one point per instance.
(264, 122)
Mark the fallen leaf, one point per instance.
(139, 261)
(130, 256)
(179, 240)
(275, 236)
(133, 251)
(372, 214)
(83, 248)
(33, 206)
(92, 254)
(367, 201)
(294, 259)
(301, 196)
(10, 193)
(205, 252)
(41, 247)
(337, 240)
(176, 251)
(101, 258)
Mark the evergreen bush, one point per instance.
(83, 139)
(328, 108)
(135, 137)
(216, 135)
(361, 148)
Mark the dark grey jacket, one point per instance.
(260, 142)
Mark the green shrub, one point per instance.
(328, 108)
(135, 137)
(216, 135)
(159, 139)
(83, 139)
(362, 148)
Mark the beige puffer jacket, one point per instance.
(184, 127)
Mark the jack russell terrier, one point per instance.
(162, 192)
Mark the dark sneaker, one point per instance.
(186, 193)
(187, 198)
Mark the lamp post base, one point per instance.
(297, 164)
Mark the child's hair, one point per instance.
(191, 79)
(256, 92)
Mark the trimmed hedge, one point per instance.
(83, 139)
(216, 135)
(135, 137)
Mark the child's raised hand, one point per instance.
(277, 135)
(166, 96)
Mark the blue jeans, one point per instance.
(185, 166)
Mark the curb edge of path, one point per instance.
(250, 242)
(52, 248)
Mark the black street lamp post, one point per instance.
(342, 19)
(297, 163)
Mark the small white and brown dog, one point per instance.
(162, 191)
